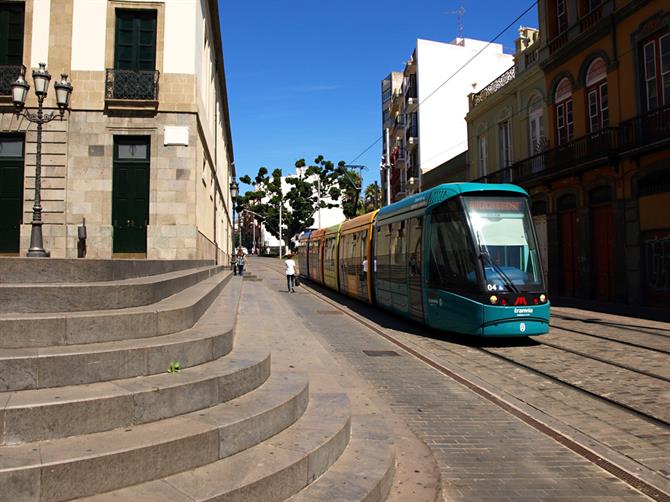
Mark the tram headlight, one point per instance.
(493, 299)
(543, 298)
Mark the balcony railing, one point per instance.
(493, 87)
(9, 74)
(648, 131)
(412, 132)
(132, 85)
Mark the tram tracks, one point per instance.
(626, 468)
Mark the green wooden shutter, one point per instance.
(11, 33)
(135, 41)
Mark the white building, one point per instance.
(426, 119)
(145, 153)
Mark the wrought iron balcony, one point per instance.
(132, 85)
(493, 87)
(8, 74)
(647, 132)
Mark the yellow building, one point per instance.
(603, 182)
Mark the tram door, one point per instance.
(414, 268)
(568, 243)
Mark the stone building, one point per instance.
(145, 155)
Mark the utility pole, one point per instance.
(281, 204)
(388, 168)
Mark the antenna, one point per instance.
(460, 12)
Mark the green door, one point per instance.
(130, 194)
(11, 192)
(135, 54)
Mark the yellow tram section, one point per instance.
(314, 251)
(354, 257)
(331, 240)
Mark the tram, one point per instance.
(461, 257)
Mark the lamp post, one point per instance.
(20, 87)
(234, 190)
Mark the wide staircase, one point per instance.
(125, 380)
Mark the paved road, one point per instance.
(483, 451)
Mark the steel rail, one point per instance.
(626, 475)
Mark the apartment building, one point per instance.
(602, 180)
(426, 115)
(507, 122)
(144, 156)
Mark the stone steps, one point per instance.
(370, 455)
(85, 465)
(56, 366)
(88, 409)
(170, 315)
(272, 470)
(37, 415)
(21, 270)
(109, 295)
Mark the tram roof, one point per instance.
(440, 193)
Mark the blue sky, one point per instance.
(304, 76)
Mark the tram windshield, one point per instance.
(503, 233)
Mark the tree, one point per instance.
(349, 182)
(309, 191)
(372, 197)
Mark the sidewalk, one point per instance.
(266, 315)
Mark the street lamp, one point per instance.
(20, 87)
(234, 190)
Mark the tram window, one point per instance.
(382, 251)
(452, 259)
(397, 253)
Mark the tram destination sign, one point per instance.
(496, 205)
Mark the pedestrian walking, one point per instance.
(241, 261)
(233, 263)
(291, 270)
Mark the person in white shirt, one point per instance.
(290, 273)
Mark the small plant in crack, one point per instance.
(175, 367)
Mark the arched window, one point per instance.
(536, 138)
(563, 106)
(596, 95)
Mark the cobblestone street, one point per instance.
(484, 452)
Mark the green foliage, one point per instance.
(321, 184)
(175, 367)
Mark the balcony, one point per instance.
(412, 135)
(492, 88)
(644, 133)
(8, 74)
(131, 88)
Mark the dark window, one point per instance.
(382, 251)
(656, 71)
(452, 258)
(655, 183)
(538, 207)
(135, 47)
(397, 261)
(11, 33)
(561, 16)
(600, 195)
(567, 202)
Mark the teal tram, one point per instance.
(461, 257)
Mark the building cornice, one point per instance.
(220, 70)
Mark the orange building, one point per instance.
(604, 180)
